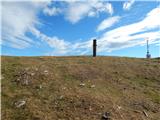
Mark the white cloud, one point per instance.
(108, 23)
(17, 18)
(52, 11)
(127, 5)
(133, 34)
(109, 8)
(77, 10)
(60, 46)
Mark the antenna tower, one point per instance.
(148, 55)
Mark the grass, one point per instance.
(120, 83)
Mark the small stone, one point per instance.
(64, 88)
(92, 86)
(106, 116)
(119, 107)
(46, 71)
(18, 79)
(145, 113)
(82, 84)
(20, 103)
(40, 86)
(90, 108)
(36, 69)
(61, 97)
(32, 74)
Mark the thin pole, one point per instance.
(148, 55)
(94, 47)
(147, 47)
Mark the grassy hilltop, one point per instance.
(80, 88)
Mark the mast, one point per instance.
(148, 55)
(94, 47)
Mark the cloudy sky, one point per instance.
(34, 27)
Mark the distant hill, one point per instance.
(80, 88)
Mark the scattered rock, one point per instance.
(23, 77)
(119, 107)
(64, 88)
(82, 84)
(145, 113)
(36, 69)
(32, 74)
(90, 108)
(40, 86)
(46, 71)
(106, 116)
(102, 106)
(61, 97)
(92, 86)
(20, 103)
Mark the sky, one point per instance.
(68, 27)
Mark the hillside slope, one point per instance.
(80, 88)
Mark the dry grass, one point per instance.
(125, 87)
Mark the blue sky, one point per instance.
(64, 28)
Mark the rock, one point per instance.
(106, 116)
(20, 103)
(64, 88)
(145, 113)
(36, 69)
(46, 72)
(32, 74)
(119, 107)
(23, 77)
(92, 86)
(61, 97)
(90, 108)
(82, 84)
(40, 86)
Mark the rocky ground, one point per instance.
(80, 88)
